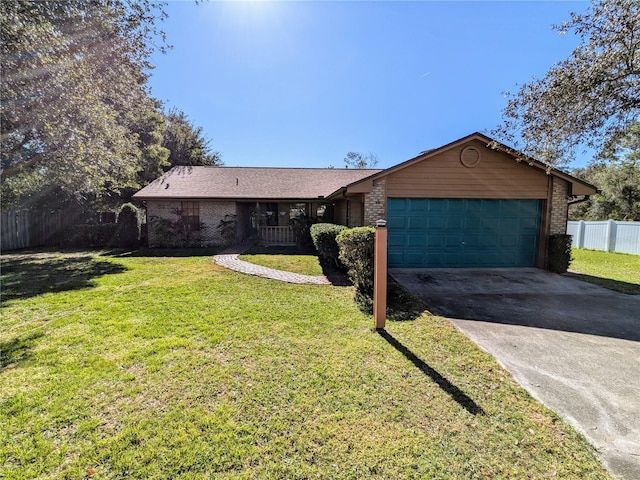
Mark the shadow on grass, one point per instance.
(17, 350)
(615, 285)
(165, 252)
(26, 276)
(454, 392)
(280, 250)
(402, 306)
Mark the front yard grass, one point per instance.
(125, 366)
(302, 264)
(616, 271)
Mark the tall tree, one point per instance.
(616, 173)
(74, 81)
(187, 143)
(360, 160)
(587, 99)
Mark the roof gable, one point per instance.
(578, 187)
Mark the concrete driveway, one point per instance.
(573, 345)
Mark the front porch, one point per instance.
(276, 235)
(270, 222)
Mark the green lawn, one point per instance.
(302, 264)
(172, 367)
(617, 271)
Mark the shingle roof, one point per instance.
(251, 182)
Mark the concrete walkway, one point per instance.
(230, 259)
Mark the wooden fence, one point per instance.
(28, 228)
(609, 235)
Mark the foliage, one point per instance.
(75, 106)
(176, 233)
(227, 229)
(617, 175)
(301, 226)
(356, 253)
(559, 253)
(586, 99)
(129, 221)
(91, 235)
(187, 143)
(124, 233)
(360, 160)
(324, 236)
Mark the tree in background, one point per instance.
(187, 143)
(360, 160)
(77, 118)
(590, 98)
(616, 173)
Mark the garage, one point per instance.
(456, 232)
(473, 203)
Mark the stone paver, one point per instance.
(230, 259)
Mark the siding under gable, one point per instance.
(496, 175)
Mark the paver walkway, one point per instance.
(230, 259)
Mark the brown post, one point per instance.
(380, 275)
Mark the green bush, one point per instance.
(301, 227)
(129, 226)
(356, 253)
(324, 236)
(559, 253)
(91, 235)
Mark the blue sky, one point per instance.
(302, 83)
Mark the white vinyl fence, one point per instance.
(609, 235)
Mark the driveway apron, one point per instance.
(573, 345)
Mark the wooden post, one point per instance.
(380, 275)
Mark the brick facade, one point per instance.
(375, 203)
(211, 212)
(559, 206)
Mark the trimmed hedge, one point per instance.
(91, 235)
(324, 236)
(356, 253)
(559, 253)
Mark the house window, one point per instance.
(297, 210)
(191, 216)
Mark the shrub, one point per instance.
(301, 227)
(559, 253)
(175, 234)
(91, 235)
(324, 236)
(227, 229)
(356, 253)
(128, 219)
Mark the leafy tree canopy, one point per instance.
(187, 144)
(588, 99)
(76, 114)
(616, 173)
(360, 160)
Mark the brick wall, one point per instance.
(211, 212)
(375, 203)
(559, 206)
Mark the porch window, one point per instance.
(191, 216)
(297, 210)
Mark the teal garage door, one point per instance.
(441, 232)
